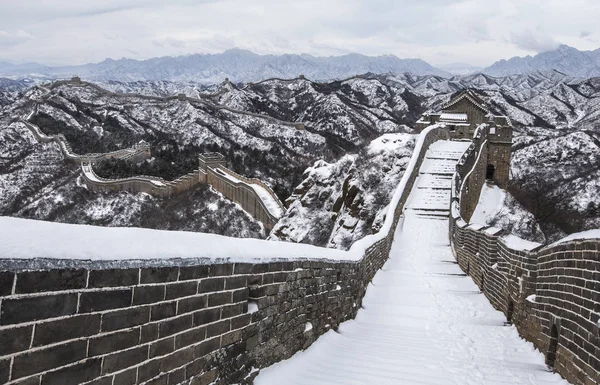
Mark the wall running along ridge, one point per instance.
(184, 324)
(136, 154)
(551, 294)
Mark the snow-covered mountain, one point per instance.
(556, 151)
(236, 64)
(565, 59)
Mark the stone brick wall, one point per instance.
(549, 293)
(243, 194)
(150, 185)
(169, 322)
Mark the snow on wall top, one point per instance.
(589, 234)
(26, 239)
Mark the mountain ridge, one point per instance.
(565, 59)
(236, 64)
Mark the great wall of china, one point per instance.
(203, 321)
(253, 195)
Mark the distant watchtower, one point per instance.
(210, 160)
(462, 115)
(75, 80)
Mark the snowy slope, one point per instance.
(338, 203)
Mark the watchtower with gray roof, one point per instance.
(462, 115)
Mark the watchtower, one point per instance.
(461, 116)
(210, 160)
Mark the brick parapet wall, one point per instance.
(150, 185)
(541, 288)
(134, 154)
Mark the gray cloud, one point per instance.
(530, 41)
(439, 31)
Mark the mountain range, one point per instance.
(244, 66)
(236, 64)
(337, 174)
(568, 60)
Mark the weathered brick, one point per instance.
(231, 337)
(235, 282)
(20, 310)
(114, 342)
(162, 347)
(211, 284)
(241, 321)
(177, 377)
(104, 300)
(193, 272)
(206, 316)
(127, 377)
(148, 370)
(229, 311)
(126, 318)
(149, 333)
(15, 339)
(190, 337)
(187, 305)
(206, 378)
(216, 299)
(221, 269)
(163, 310)
(6, 283)
(177, 359)
(243, 268)
(81, 372)
(148, 294)
(53, 357)
(124, 359)
(207, 347)
(4, 370)
(241, 295)
(65, 329)
(175, 325)
(182, 289)
(217, 328)
(159, 274)
(50, 280)
(113, 277)
(195, 367)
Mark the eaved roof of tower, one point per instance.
(469, 95)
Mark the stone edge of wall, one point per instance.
(538, 288)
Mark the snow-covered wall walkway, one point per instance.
(551, 293)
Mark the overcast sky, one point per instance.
(478, 32)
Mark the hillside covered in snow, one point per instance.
(329, 172)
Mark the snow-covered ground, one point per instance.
(496, 207)
(422, 321)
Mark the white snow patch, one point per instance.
(531, 298)
(252, 307)
(491, 201)
(308, 327)
(517, 243)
